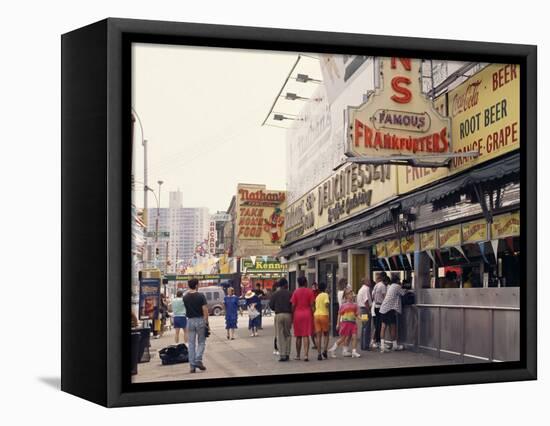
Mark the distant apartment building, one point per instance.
(180, 229)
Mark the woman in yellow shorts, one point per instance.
(321, 321)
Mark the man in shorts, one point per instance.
(321, 320)
(390, 308)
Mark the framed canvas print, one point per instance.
(254, 212)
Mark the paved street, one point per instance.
(253, 356)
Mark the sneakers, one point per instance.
(396, 347)
(375, 345)
(355, 354)
(346, 353)
(383, 346)
(331, 353)
(319, 357)
(275, 352)
(200, 366)
(325, 355)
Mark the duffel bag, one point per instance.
(174, 354)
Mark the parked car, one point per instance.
(214, 299)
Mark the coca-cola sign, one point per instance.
(463, 101)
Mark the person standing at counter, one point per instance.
(378, 295)
(390, 308)
(364, 301)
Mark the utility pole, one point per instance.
(157, 221)
(145, 191)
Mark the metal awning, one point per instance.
(508, 166)
(505, 167)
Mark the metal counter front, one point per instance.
(468, 325)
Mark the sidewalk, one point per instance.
(253, 356)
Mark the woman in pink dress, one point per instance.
(302, 302)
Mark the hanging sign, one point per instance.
(380, 249)
(397, 119)
(506, 225)
(407, 244)
(473, 232)
(428, 240)
(260, 265)
(393, 247)
(449, 237)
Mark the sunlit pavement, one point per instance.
(253, 356)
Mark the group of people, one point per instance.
(304, 313)
(253, 302)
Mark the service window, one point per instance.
(216, 296)
(209, 296)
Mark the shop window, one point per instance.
(478, 266)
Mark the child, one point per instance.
(347, 326)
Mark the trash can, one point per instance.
(134, 350)
(144, 344)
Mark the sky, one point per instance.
(202, 110)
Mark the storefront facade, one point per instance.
(452, 232)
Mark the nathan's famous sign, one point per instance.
(260, 214)
(351, 190)
(397, 119)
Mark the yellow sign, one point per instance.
(407, 244)
(380, 249)
(393, 247)
(428, 240)
(353, 189)
(506, 225)
(411, 178)
(485, 118)
(260, 214)
(473, 232)
(397, 118)
(449, 237)
(485, 114)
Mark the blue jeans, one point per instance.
(196, 329)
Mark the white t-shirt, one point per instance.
(364, 296)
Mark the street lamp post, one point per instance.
(135, 116)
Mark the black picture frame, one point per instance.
(96, 163)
